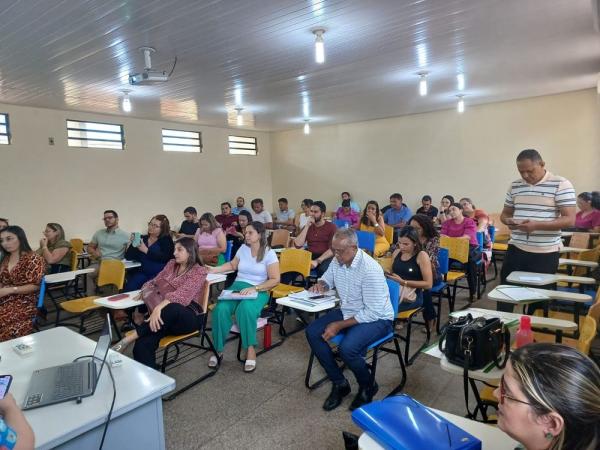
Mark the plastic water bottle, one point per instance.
(524, 334)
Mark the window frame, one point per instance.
(122, 134)
(8, 134)
(200, 144)
(229, 136)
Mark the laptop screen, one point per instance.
(102, 347)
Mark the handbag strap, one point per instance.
(467, 363)
(506, 338)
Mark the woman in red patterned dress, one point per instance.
(21, 272)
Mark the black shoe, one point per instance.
(338, 392)
(127, 326)
(364, 396)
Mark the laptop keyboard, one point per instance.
(69, 381)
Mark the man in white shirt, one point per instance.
(260, 215)
(365, 315)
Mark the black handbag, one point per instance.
(474, 344)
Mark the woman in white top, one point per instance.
(257, 272)
(302, 219)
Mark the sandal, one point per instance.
(250, 365)
(120, 346)
(214, 361)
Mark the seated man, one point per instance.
(284, 217)
(398, 215)
(239, 206)
(427, 209)
(260, 215)
(318, 235)
(366, 315)
(189, 226)
(226, 219)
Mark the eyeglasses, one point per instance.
(503, 394)
(153, 225)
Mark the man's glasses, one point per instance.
(504, 395)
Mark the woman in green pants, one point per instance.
(257, 272)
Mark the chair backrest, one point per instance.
(74, 260)
(389, 233)
(341, 223)
(587, 334)
(366, 240)
(77, 245)
(41, 294)
(111, 271)
(227, 253)
(204, 298)
(494, 219)
(295, 260)
(594, 312)
(480, 239)
(458, 248)
(580, 240)
(443, 260)
(492, 232)
(394, 290)
(588, 255)
(280, 238)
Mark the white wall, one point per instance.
(40, 183)
(471, 154)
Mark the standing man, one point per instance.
(427, 209)
(536, 208)
(398, 215)
(226, 219)
(366, 315)
(260, 215)
(284, 217)
(318, 235)
(239, 206)
(107, 243)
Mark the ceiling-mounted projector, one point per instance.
(148, 76)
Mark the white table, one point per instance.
(63, 277)
(137, 420)
(131, 264)
(292, 303)
(491, 438)
(542, 295)
(577, 262)
(573, 250)
(543, 279)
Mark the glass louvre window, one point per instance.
(4, 129)
(240, 145)
(181, 141)
(95, 135)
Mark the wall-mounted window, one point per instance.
(240, 145)
(4, 129)
(95, 135)
(181, 141)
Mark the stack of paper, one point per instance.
(232, 295)
(313, 297)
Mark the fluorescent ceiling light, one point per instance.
(319, 46)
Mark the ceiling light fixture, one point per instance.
(460, 81)
(319, 46)
(460, 106)
(239, 117)
(306, 126)
(126, 103)
(423, 84)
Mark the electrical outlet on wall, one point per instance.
(50, 141)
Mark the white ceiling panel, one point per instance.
(77, 55)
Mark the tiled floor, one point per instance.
(271, 408)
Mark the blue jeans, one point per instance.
(352, 349)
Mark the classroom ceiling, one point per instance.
(259, 55)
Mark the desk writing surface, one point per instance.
(498, 296)
(136, 385)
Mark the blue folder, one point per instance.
(402, 423)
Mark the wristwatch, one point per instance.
(376, 225)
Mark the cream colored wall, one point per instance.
(40, 183)
(441, 152)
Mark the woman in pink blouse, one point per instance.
(588, 217)
(211, 240)
(179, 311)
(460, 226)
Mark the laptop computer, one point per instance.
(71, 381)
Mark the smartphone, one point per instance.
(5, 381)
(137, 239)
(313, 297)
(235, 292)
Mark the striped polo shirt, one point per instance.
(540, 202)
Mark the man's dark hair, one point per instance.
(226, 203)
(530, 154)
(190, 210)
(319, 204)
(111, 211)
(256, 201)
(426, 198)
(396, 196)
(345, 203)
(283, 200)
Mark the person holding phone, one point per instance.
(15, 431)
